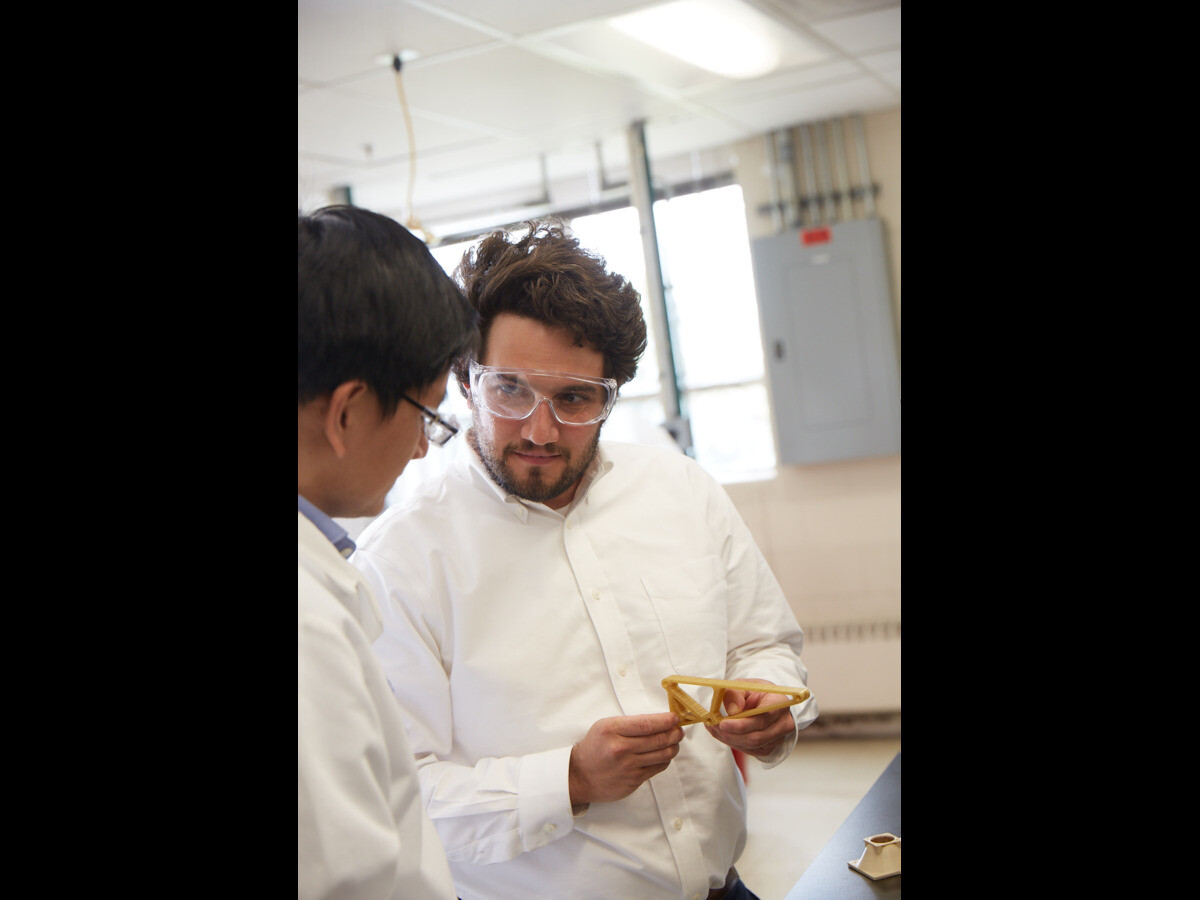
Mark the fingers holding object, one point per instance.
(756, 735)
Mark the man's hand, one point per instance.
(619, 753)
(754, 735)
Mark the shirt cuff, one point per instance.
(544, 802)
(803, 715)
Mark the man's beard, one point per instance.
(533, 487)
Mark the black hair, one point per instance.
(374, 305)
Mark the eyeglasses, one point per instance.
(437, 429)
(516, 393)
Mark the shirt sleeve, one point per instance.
(765, 640)
(488, 812)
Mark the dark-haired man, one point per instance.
(378, 325)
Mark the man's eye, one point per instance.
(512, 389)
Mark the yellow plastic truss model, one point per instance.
(690, 712)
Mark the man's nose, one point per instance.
(422, 446)
(541, 427)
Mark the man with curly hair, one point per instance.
(537, 593)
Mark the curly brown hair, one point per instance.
(540, 271)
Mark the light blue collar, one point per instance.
(338, 536)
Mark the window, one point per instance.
(639, 414)
(449, 255)
(708, 277)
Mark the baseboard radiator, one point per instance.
(854, 672)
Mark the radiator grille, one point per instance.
(871, 630)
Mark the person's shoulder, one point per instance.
(414, 502)
(316, 602)
(654, 456)
(621, 451)
(670, 472)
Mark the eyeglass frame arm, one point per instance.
(449, 426)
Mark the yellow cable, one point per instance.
(413, 222)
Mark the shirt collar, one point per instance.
(338, 536)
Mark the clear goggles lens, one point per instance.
(515, 393)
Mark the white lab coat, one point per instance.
(363, 831)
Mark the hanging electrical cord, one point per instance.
(413, 223)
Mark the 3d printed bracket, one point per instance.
(691, 713)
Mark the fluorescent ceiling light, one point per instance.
(723, 37)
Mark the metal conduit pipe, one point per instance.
(789, 189)
(820, 189)
(828, 197)
(864, 171)
(811, 200)
(841, 170)
(773, 183)
(643, 201)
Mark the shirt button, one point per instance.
(621, 671)
(595, 594)
(678, 823)
(550, 828)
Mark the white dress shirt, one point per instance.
(510, 628)
(361, 824)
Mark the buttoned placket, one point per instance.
(631, 693)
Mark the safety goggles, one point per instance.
(516, 393)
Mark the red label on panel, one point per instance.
(815, 236)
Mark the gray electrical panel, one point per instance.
(830, 341)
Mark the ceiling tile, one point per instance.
(770, 112)
(538, 92)
(523, 18)
(340, 39)
(605, 47)
(503, 90)
(870, 31)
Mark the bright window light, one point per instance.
(717, 35)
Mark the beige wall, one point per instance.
(831, 532)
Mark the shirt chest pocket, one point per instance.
(689, 601)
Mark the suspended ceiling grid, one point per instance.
(507, 97)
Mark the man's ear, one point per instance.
(346, 403)
(464, 388)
